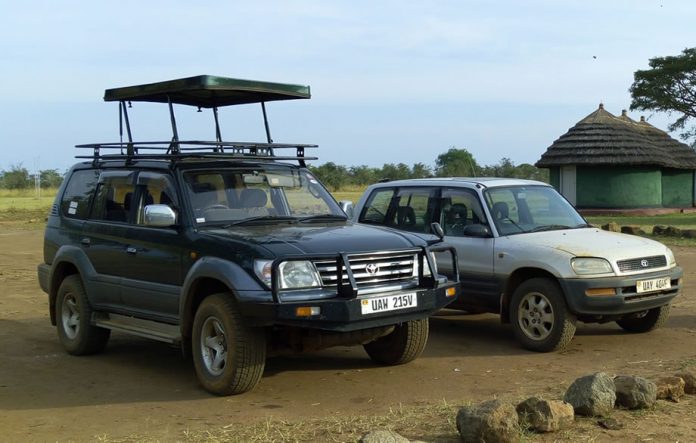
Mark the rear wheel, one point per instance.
(229, 357)
(77, 335)
(647, 321)
(404, 344)
(540, 319)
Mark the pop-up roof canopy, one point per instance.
(208, 91)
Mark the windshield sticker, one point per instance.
(522, 195)
(200, 220)
(72, 209)
(274, 181)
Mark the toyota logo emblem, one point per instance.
(644, 263)
(372, 269)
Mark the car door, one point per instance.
(464, 222)
(152, 274)
(104, 235)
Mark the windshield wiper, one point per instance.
(322, 217)
(549, 228)
(583, 225)
(274, 218)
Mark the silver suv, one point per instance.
(525, 253)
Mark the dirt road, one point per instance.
(139, 387)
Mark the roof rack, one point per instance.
(203, 91)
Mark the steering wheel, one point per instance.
(215, 206)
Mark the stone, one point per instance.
(689, 233)
(611, 424)
(592, 395)
(689, 378)
(632, 229)
(670, 388)
(493, 421)
(659, 229)
(545, 415)
(635, 392)
(674, 232)
(383, 436)
(612, 227)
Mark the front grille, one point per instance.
(371, 269)
(639, 264)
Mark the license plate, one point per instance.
(388, 303)
(656, 284)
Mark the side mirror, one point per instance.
(436, 229)
(347, 207)
(160, 216)
(477, 230)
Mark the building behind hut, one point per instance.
(605, 161)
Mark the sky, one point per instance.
(391, 81)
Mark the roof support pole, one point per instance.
(174, 146)
(123, 113)
(265, 123)
(218, 135)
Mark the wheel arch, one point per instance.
(518, 277)
(69, 260)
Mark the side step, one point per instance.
(137, 326)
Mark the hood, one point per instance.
(593, 242)
(316, 239)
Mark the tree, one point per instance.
(332, 175)
(16, 178)
(669, 86)
(50, 178)
(456, 163)
(420, 170)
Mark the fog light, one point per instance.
(595, 292)
(450, 292)
(307, 311)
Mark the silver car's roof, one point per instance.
(488, 182)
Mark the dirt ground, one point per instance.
(140, 387)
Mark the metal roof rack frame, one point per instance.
(203, 91)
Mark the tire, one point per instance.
(406, 343)
(652, 319)
(539, 316)
(73, 314)
(229, 357)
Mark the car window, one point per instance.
(155, 188)
(114, 197)
(78, 193)
(459, 209)
(377, 206)
(412, 209)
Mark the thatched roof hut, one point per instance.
(608, 161)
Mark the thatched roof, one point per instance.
(602, 138)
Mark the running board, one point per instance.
(137, 326)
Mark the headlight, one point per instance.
(671, 261)
(589, 266)
(291, 274)
(426, 268)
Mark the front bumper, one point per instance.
(344, 314)
(627, 300)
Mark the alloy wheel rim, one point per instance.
(70, 316)
(535, 316)
(213, 346)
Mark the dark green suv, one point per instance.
(230, 250)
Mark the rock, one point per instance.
(545, 415)
(632, 229)
(383, 436)
(635, 392)
(491, 421)
(610, 423)
(592, 395)
(612, 227)
(689, 233)
(659, 230)
(689, 381)
(674, 232)
(670, 388)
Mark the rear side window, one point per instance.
(377, 206)
(414, 209)
(114, 199)
(78, 193)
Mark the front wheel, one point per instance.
(647, 321)
(540, 318)
(76, 333)
(229, 357)
(404, 344)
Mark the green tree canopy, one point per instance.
(456, 163)
(668, 86)
(16, 178)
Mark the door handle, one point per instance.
(85, 242)
(130, 250)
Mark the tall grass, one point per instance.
(26, 199)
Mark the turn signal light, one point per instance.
(307, 311)
(599, 292)
(450, 292)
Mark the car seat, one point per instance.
(455, 219)
(405, 217)
(500, 211)
(253, 201)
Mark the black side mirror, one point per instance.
(436, 229)
(477, 230)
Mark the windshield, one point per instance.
(258, 195)
(522, 209)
